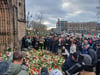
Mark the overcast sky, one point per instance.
(69, 10)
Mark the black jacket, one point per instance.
(93, 55)
(68, 64)
(98, 53)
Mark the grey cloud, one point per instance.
(52, 10)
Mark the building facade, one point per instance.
(12, 23)
(81, 27)
(61, 25)
(98, 27)
(77, 27)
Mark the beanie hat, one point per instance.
(44, 71)
(87, 63)
(55, 72)
(87, 59)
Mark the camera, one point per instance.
(74, 69)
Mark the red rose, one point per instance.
(27, 65)
(31, 72)
(38, 71)
(34, 58)
(34, 49)
(55, 66)
(50, 69)
(7, 57)
(41, 56)
(34, 69)
(51, 57)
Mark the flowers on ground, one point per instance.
(35, 60)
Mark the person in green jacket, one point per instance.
(16, 67)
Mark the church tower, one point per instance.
(12, 23)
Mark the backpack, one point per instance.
(5, 68)
(93, 55)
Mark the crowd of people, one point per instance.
(82, 55)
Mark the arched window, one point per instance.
(19, 3)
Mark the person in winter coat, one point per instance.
(37, 43)
(55, 45)
(94, 45)
(87, 65)
(85, 46)
(45, 42)
(65, 52)
(93, 55)
(72, 47)
(23, 42)
(69, 62)
(84, 64)
(60, 39)
(61, 42)
(34, 41)
(90, 70)
(26, 42)
(67, 44)
(78, 44)
(98, 60)
(90, 41)
(41, 41)
(29, 41)
(50, 41)
(16, 68)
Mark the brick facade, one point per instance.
(12, 23)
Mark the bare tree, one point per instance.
(29, 16)
(39, 17)
(39, 27)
